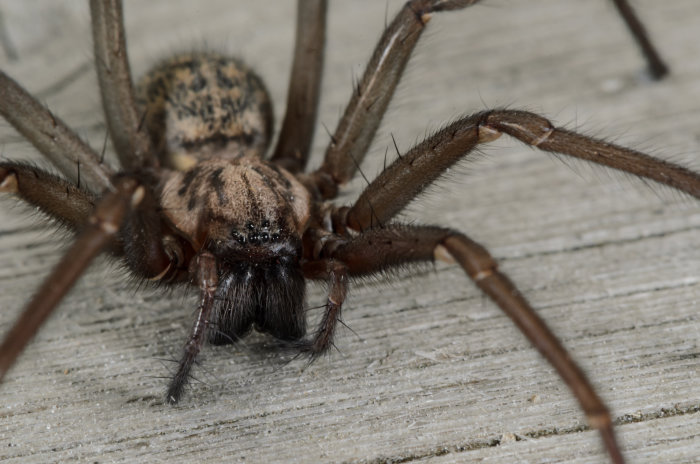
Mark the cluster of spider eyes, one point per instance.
(255, 235)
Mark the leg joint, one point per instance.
(530, 128)
(474, 258)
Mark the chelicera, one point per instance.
(196, 201)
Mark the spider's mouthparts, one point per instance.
(268, 295)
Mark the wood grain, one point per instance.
(435, 373)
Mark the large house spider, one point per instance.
(404, 150)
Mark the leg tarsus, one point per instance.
(610, 442)
(657, 68)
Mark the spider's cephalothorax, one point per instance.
(194, 201)
(250, 215)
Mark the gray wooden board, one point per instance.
(435, 373)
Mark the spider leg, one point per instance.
(73, 157)
(149, 245)
(148, 249)
(404, 179)
(204, 275)
(294, 143)
(130, 141)
(103, 224)
(657, 68)
(54, 196)
(395, 245)
(335, 273)
(481, 268)
(370, 99)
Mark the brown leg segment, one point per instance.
(401, 182)
(54, 196)
(537, 131)
(73, 157)
(148, 251)
(657, 68)
(294, 143)
(481, 268)
(123, 119)
(396, 245)
(148, 246)
(335, 273)
(103, 224)
(204, 275)
(369, 101)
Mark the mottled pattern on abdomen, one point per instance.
(204, 105)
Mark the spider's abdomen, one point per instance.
(200, 106)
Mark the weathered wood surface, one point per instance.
(437, 373)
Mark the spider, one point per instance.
(167, 214)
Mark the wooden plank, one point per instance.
(436, 373)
